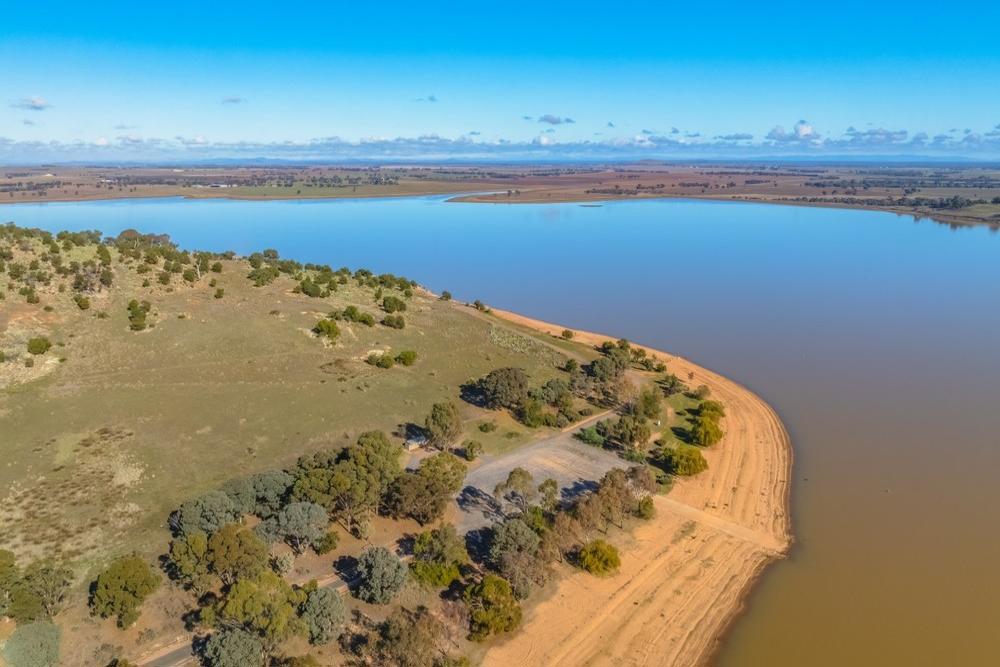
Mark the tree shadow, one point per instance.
(477, 543)
(471, 392)
(578, 488)
(473, 500)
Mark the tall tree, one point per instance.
(121, 589)
(443, 425)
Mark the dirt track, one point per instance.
(685, 574)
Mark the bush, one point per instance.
(217, 267)
(591, 436)
(646, 510)
(438, 555)
(384, 360)
(492, 608)
(381, 574)
(406, 357)
(683, 460)
(39, 345)
(567, 334)
(393, 304)
(82, 302)
(327, 328)
(137, 314)
(394, 321)
(472, 449)
(190, 275)
(600, 558)
(220, 292)
(327, 543)
(446, 295)
(488, 427)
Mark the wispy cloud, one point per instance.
(233, 99)
(429, 98)
(554, 120)
(737, 136)
(28, 121)
(122, 127)
(31, 104)
(610, 124)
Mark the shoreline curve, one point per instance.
(686, 574)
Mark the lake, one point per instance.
(876, 338)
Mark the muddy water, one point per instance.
(876, 338)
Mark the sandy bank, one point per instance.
(685, 574)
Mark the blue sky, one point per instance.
(435, 80)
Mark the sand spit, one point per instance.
(685, 574)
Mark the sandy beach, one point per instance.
(685, 574)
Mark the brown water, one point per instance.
(876, 338)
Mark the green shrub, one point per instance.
(220, 292)
(327, 328)
(82, 302)
(190, 275)
(493, 609)
(600, 558)
(217, 267)
(39, 345)
(393, 304)
(384, 360)
(645, 510)
(591, 436)
(137, 314)
(406, 357)
(488, 427)
(567, 334)
(327, 543)
(472, 449)
(683, 460)
(446, 295)
(394, 321)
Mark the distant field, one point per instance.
(959, 195)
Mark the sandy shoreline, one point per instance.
(685, 575)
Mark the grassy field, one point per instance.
(99, 448)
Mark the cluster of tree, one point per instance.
(354, 314)
(523, 545)
(508, 388)
(706, 429)
(255, 609)
(439, 556)
(423, 494)
(255, 614)
(631, 431)
(407, 638)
